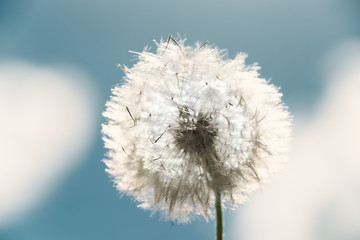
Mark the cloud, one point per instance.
(47, 119)
(317, 195)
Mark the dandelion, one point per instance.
(192, 131)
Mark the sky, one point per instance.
(58, 64)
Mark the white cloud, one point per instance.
(317, 195)
(47, 120)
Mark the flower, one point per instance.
(190, 123)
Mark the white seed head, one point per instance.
(189, 122)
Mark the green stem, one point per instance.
(219, 221)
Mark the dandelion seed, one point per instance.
(190, 126)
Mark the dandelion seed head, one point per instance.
(188, 122)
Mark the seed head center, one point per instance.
(195, 133)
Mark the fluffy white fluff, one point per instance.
(189, 122)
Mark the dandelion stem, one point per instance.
(219, 221)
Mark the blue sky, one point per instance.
(290, 40)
